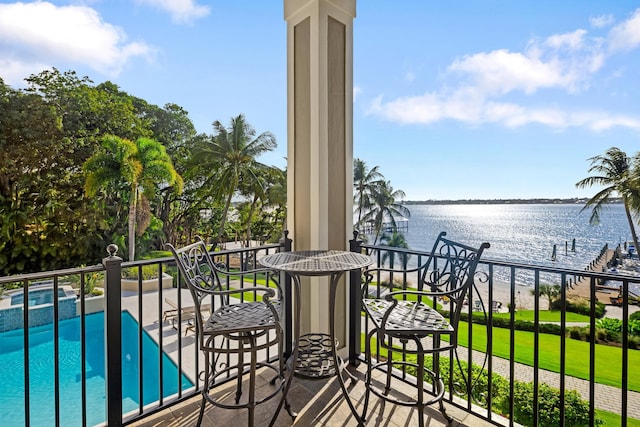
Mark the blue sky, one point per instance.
(452, 100)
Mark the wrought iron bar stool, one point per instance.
(234, 328)
(404, 322)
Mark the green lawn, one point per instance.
(608, 358)
(611, 419)
(545, 316)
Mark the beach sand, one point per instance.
(501, 293)
(523, 299)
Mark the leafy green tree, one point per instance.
(88, 112)
(47, 132)
(619, 175)
(228, 158)
(364, 183)
(45, 222)
(385, 208)
(141, 167)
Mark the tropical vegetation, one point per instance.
(85, 165)
(228, 164)
(619, 174)
(137, 169)
(376, 202)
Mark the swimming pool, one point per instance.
(39, 296)
(42, 376)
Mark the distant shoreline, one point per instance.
(577, 201)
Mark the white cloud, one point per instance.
(626, 35)
(14, 71)
(572, 41)
(501, 71)
(35, 36)
(430, 108)
(477, 84)
(182, 11)
(601, 21)
(562, 61)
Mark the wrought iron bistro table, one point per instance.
(314, 355)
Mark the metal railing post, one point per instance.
(286, 244)
(355, 301)
(113, 337)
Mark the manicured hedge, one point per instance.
(519, 325)
(580, 307)
(576, 409)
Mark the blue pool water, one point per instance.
(37, 297)
(41, 373)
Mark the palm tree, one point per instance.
(255, 188)
(620, 175)
(385, 208)
(364, 182)
(229, 156)
(395, 240)
(550, 291)
(141, 167)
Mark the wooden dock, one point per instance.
(582, 286)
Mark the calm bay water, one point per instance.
(522, 233)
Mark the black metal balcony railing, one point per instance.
(125, 352)
(619, 398)
(171, 333)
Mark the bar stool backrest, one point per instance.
(449, 272)
(201, 276)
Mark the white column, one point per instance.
(320, 140)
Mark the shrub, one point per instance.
(576, 409)
(575, 333)
(601, 335)
(149, 271)
(634, 328)
(635, 316)
(550, 328)
(634, 343)
(580, 306)
(157, 254)
(91, 281)
(610, 324)
(611, 327)
(613, 336)
(608, 330)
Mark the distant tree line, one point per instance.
(535, 201)
(85, 165)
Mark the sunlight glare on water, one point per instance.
(522, 233)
